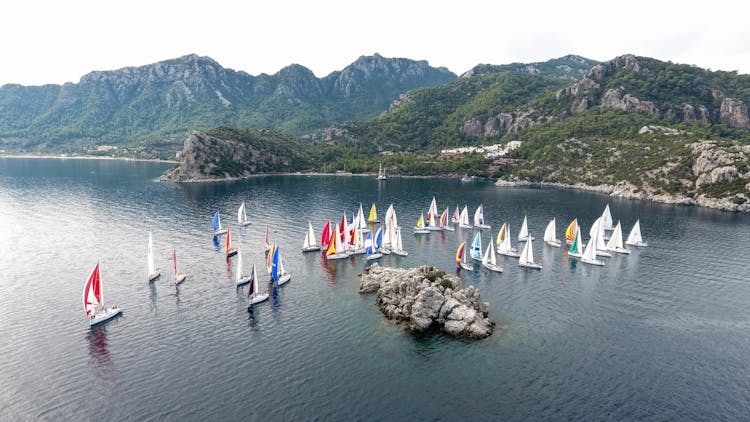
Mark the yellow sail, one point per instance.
(420, 222)
(332, 246)
(373, 214)
(501, 234)
(570, 232)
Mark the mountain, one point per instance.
(138, 105)
(566, 67)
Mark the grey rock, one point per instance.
(733, 113)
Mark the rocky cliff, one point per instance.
(424, 299)
(225, 154)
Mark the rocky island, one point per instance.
(424, 299)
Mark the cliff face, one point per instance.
(209, 158)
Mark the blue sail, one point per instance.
(379, 238)
(215, 223)
(275, 265)
(368, 244)
(476, 246)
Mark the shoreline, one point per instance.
(84, 157)
(373, 175)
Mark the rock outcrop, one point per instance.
(733, 113)
(425, 299)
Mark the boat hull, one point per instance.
(592, 262)
(525, 238)
(509, 253)
(639, 244)
(337, 256)
(449, 228)
(532, 265)
(606, 254)
(374, 256)
(244, 280)
(555, 243)
(619, 250)
(311, 249)
(245, 223)
(231, 253)
(284, 278)
(220, 232)
(105, 315)
(467, 267)
(179, 278)
(400, 253)
(257, 299)
(154, 276)
(494, 268)
(465, 226)
(482, 226)
(421, 231)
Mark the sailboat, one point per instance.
(93, 299)
(242, 278)
(634, 238)
(456, 216)
(378, 242)
(381, 173)
(267, 242)
(152, 272)
(523, 235)
(589, 252)
(178, 276)
(335, 248)
(397, 246)
(463, 219)
(419, 228)
(607, 219)
(615, 242)
(254, 295)
(550, 237)
(479, 218)
(360, 222)
(373, 217)
(461, 261)
(228, 247)
(310, 244)
(242, 216)
(503, 242)
(527, 256)
(570, 231)
(601, 247)
(444, 223)
(370, 249)
(476, 247)
(489, 260)
(216, 225)
(576, 246)
(278, 273)
(325, 235)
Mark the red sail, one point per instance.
(325, 237)
(92, 291)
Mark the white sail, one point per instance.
(615, 242)
(433, 209)
(589, 252)
(607, 219)
(241, 217)
(255, 281)
(361, 221)
(634, 238)
(524, 233)
(527, 254)
(311, 240)
(463, 219)
(150, 262)
(479, 218)
(549, 234)
(398, 243)
(489, 256)
(601, 245)
(239, 265)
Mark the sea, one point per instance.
(660, 334)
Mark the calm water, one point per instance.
(660, 334)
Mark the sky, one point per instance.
(60, 41)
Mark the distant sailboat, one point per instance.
(242, 216)
(489, 260)
(444, 223)
(523, 235)
(601, 246)
(373, 217)
(381, 173)
(267, 242)
(228, 247)
(476, 247)
(152, 272)
(576, 246)
(527, 256)
(456, 216)
(420, 228)
(278, 274)
(503, 242)
(589, 252)
(216, 225)
(570, 231)
(397, 246)
(254, 295)
(607, 219)
(310, 244)
(359, 221)
(463, 219)
(370, 248)
(615, 242)
(461, 259)
(93, 299)
(241, 277)
(479, 218)
(178, 276)
(550, 237)
(634, 238)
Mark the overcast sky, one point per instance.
(60, 41)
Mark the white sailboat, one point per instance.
(381, 173)
(463, 219)
(360, 222)
(93, 299)
(634, 238)
(489, 260)
(615, 242)
(607, 219)
(242, 216)
(550, 237)
(433, 223)
(311, 243)
(601, 246)
(397, 247)
(456, 216)
(479, 218)
(523, 235)
(503, 242)
(242, 278)
(152, 272)
(590, 252)
(527, 256)
(254, 295)
(178, 276)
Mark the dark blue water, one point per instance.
(660, 334)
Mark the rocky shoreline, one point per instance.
(425, 299)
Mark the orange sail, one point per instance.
(229, 241)
(460, 253)
(570, 232)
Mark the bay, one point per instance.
(659, 334)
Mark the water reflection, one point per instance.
(216, 243)
(98, 351)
